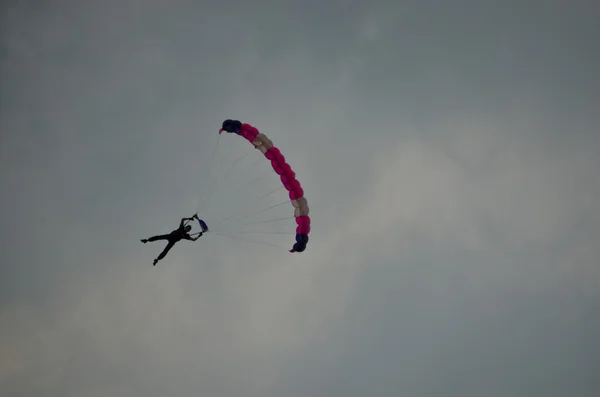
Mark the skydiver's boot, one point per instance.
(144, 240)
(155, 262)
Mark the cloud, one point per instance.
(451, 172)
(470, 290)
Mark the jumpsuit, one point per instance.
(172, 238)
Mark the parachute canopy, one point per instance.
(285, 172)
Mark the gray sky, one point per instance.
(449, 151)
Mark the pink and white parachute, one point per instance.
(283, 169)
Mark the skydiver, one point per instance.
(182, 232)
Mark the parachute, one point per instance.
(285, 172)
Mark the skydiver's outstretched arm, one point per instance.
(185, 219)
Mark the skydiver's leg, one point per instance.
(165, 251)
(154, 238)
(161, 237)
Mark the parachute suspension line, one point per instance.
(228, 173)
(210, 170)
(246, 171)
(250, 167)
(285, 218)
(256, 200)
(274, 206)
(258, 212)
(249, 241)
(259, 232)
(219, 181)
(256, 179)
(243, 214)
(252, 182)
(215, 178)
(249, 172)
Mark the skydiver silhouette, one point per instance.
(181, 233)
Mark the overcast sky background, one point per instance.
(449, 150)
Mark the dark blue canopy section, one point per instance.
(203, 225)
(231, 126)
